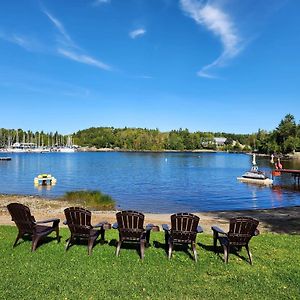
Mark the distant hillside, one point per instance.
(284, 139)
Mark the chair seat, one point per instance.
(241, 230)
(133, 239)
(131, 229)
(43, 230)
(223, 241)
(27, 225)
(94, 233)
(180, 241)
(184, 229)
(78, 220)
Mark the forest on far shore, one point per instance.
(285, 138)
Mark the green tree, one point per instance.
(287, 127)
(286, 132)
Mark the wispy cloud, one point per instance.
(37, 83)
(82, 58)
(20, 40)
(137, 33)
(220, 24)
(146, 77)
(59, 26)
(99, 2)
(67, 48)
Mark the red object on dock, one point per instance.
(290, 171)
(276, 173)
(294, 173)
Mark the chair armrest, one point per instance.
(218, 230)
(104, 225)
(165, 227)
(256, 232)
(199, 229)
(48, 221)
(115, 226)
(149, 227)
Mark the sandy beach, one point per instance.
(277, 220)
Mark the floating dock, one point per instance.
(44, 180)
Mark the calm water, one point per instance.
(152, 182)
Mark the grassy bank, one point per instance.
(52, 273)
(94, 200)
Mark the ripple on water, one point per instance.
(152, 182)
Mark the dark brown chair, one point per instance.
(184, 229)
(241, 230)
(79, 222)
(131, 228)
(27, 225)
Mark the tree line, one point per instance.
(285, 138)
(10, 136)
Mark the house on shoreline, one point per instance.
(220, 141)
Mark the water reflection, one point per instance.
(156, 182)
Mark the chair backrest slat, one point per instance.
(130, 223)
(22, 217)
(241, 230)
(79, 221)
(184, 227)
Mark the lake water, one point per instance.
(152, 182)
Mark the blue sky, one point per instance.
(219, 65)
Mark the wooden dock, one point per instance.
(294, 173)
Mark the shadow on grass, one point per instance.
(219, 251)
(126, 245)
(279, 220)
(177, 247)
(43, 241)
(84, 243)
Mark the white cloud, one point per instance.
(85, 59)
(137, 33)
(59, 26)
(220, 24)
(67, 48)
(146, 77)
(99, 2)
(20, 40)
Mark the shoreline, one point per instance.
(289, 156)
(275, 220)
(93, 149)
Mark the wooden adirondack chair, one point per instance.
(27, 225)
(79, 222)
(184, 230)
(241, 230)
(131, 229)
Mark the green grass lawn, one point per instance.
(52, 273)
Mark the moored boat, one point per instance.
(255, 176)
(5, 158)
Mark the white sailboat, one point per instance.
(68, 148)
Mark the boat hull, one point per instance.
(266, 181)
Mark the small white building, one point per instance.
(220, 141)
